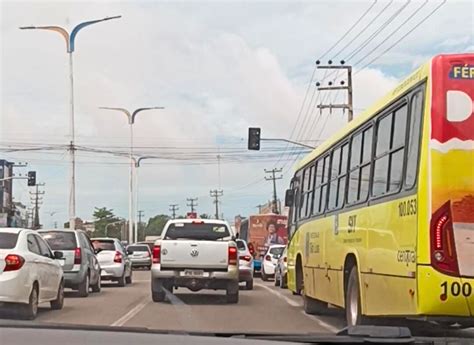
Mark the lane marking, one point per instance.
(288, 300)
(293, 303)
(131, 313)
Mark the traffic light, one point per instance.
(31, 178)
(254, 139)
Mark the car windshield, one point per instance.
(103, 244)
(276, 250)
(169, 151)
(197, 231)
(137, 248)
(60, 240)
(8, 240)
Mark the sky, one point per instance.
(218, 67)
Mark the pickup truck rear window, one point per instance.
(197, 231)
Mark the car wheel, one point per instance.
(58, 303)
(97, 286)
(283, 282)
(121, 281)
(84, 286)
(128, 279)
(354, 315)
(277, 278)
(249, 285)
(232, 292)
(30, 310)
(158, 293)
(263, 275)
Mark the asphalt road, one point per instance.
(264, 309)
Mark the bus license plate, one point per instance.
(194, 273)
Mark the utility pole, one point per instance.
(173, 209)
(216, 194)
(192, 203)
(274, 178)
(344, 106)
(140, 215)
(36, 201)
(259, 208)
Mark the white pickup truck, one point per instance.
(197, 254)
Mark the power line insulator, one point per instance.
(330, 83)
(342, 62)
(330, 62)
(342, 82)
(318, 83)
(318, 62)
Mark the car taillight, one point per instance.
(268, 258)
(118, 257)
(77, 256)
(232, 255)
(443, 247)
(13, 262)
(245, 257)
(157, 254)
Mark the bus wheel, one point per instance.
(352, 301)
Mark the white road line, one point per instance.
(131, 313)
(289, 301)
(296, 304)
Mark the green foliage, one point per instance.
(204, 216)
(156, 224)
(102, 217)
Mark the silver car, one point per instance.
(80, 265)
(113, 259)
(245, 264)
(140, 255)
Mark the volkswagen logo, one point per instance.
(164, 251)
(194, 253)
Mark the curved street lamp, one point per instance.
(70, 46)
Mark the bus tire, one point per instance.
(313, 306)
(353, 303)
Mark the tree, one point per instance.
(102, 217)
(156, 224)
(204, 216)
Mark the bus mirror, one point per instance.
(289, 197)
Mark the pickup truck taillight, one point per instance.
(118, 257)
(13, 262)
(156, 254)
(77, 256)
(232, 256)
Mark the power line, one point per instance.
(173, 209)
(192, 203)
(216, 194)
(273, 178)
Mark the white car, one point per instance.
(30, 273)
(270, 260)
(245, 264)
(114, 261)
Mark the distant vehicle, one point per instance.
(262, 230)
(81, 266)
(245, 264)
(197, 254)
(30, 273)
(114, 261)
(281, 270)
(149, 243)
(270, 260)
(140, 255)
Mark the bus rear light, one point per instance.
(443, 247)
(157, 254)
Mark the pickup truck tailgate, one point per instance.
(194, 254)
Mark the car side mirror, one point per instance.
(97, 250)
(129, 252)
(289, 197)
(58, 255)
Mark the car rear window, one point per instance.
(197, 231)
(60, 240)
(277, 251)
(103, 244)
(240, 245)
(8, 240)
(138, 248)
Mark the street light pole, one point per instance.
(131, 121)
(70, 45)
(137, 162)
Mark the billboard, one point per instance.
(265, 230)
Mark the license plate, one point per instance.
(194, 273)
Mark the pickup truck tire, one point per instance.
(158, 293)
(232, 292)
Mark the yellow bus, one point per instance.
(382, 213)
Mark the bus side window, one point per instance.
(318, 180)
(416, 115)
